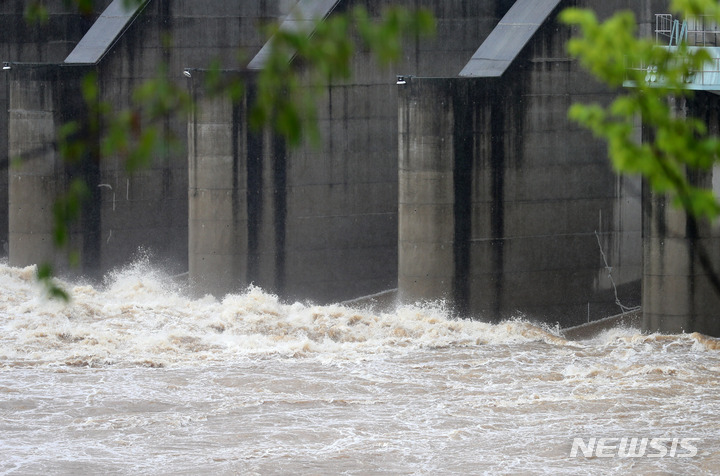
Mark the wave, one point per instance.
(140, 316)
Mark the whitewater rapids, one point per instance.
(135, 377)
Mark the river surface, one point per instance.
(132, 377)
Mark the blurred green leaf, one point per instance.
(36, 13)
(44, 275)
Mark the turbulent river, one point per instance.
(132, 377)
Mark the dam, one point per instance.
(455, 177)
(204, 334)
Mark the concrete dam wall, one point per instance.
(312, 222)
(463, 180)
(323, 223)
(341, 199)
(506, 207)
(21, 41)
(501, 225)
(147, 210)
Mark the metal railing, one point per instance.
(695, 33)
(699, 31)
(663, 26)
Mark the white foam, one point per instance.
(140, 315)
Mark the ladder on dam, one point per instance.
(701, 32)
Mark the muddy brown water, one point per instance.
(135, 378)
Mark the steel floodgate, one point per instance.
(134, 377)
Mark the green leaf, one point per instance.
(44, 275)
(36, 13)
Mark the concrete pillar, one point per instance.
(454, 141)
(41, 100)
(236, 196)
(38, 178)
(217, 197)
(426, 231)
(681, 273)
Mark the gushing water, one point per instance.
(134, 377)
